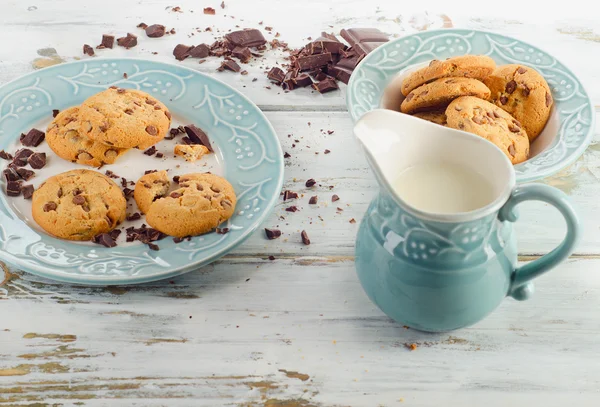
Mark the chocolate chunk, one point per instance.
(310, 183)
(365, 48)
(246, 38)
(108, 41)
(105, 240)
(276, 75)
(13, 188)
(88, 50)
(27, 191)
(176, 178)
(37, 160)
(78, 199)
(159, 155)
(324, 44)
(134, 216)
(287, 195)
(302, 80)
(335, 198)
(150, 151)
(149, 172)
(115, 233)
(198, 136)
(313, 61)
(155, 30)
(292, 209)
(348, 63)
(21, 156)
(272, 233)
(50, 206)
(55, 112)
(286, 155)
(25, 174)
(325, 86)
(222, 231)
(510, 87)
(305, 238)
(209, 10)
(182, 51)
(361, 35)
(230, 65)
(11, 174)
(341, 74)
(5, 156)
(128, 42)
(503, 100)
(153, 246)
(151, 130)
(242, 53)
(143, 26)
(175, 195)
(33, 138)
(199, 51)
(313, 200)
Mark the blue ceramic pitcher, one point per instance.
(439, 272)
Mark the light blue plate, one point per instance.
(249, 153)
(572, 121)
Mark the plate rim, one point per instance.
(537, 175)
(95, 280)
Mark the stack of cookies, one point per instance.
(508, 105)
(106, 125)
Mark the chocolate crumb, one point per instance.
(159, 155)
(292, 209)
(335, 198)
(310, 183)
(289, 195)
(313, 200)
(55, 112)
(153, 247)
(209, 10)
(327, 151)
(286, 155)
(272, 233)
(305, 238)
(151, 151)
(105, 240)
(352, 221)
(143, 26)
(88, 50)
(27, 191)
(176, 178)
(271, 258)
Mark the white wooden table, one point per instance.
(299, 331)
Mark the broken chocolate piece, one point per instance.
(276, 75)
(309, 62)
(33, 138)
(37, 160)
(155, 30)
(198, 136)
(105, 240)
(88, 50)
(153, 246)
(313, 200)
(25, 174)
(292, 209)
(305, 238)
(11, 174)
(21, 156)
(129, 41)
(361, 35)
(339, 73)
(365, 48)
(242, 53)
(199, 51)
(55, 112)
(229, 64)
(286, 155)
(182, 51)
(108, 41)
(272, 233)
(326, 85)
(302, 80)
(27, 191)
(150, 151)
(5, 156)
(13, 188)
(246, 38)
(289, 195)
(335, 198)
(310, 183)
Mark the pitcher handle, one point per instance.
(520, 289)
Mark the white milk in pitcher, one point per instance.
(443, 188)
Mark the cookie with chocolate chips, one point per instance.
(124, 118)
(441, 92)
(78, 205)
(487, 120)
(200, 204)
(65, 140)
(524, 93)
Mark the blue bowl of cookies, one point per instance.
(500, 88)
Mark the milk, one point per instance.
(442, 187)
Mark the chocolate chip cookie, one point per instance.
(149, 188)
(524, 93)
(441, 92)
(64, 139)
(78, 205)
(434, 116)
(200, 204)
(468, 66)
(124, 118)
(487, 120)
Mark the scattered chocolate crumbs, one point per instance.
(209, 10)
(143, 234)
(292, 209)
(134, 216)
(108, 41)
(105, 240)
(310, 183)
(5, 156)
(88, 50)
(305, 238)
(222, 231)
(55, 112)
(313, 200)
(37, 160)
(289, 195)
(272, 233)
(33, 138)
(151, 151)
(335, 198)
(155, 30)
(129, 41)
(353, 221)
(27, 191)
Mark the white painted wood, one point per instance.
(305, 311)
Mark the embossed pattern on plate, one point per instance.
(251, 159)
(573, 106)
